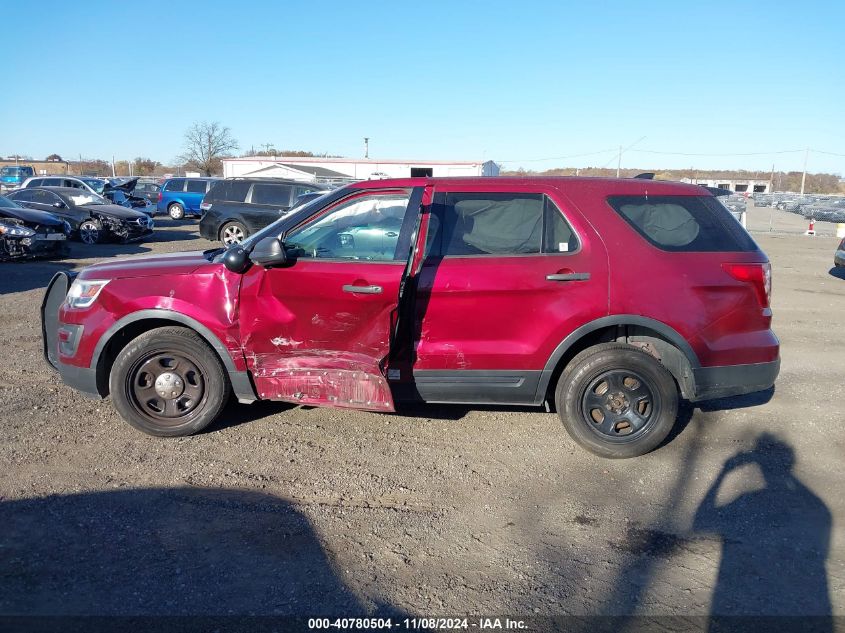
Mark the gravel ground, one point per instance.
(439, 510)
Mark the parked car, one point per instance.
(839, 255)
(148, 190)
(26, 233)
(180, 197)
(517, 291)
(236, 208)
(12, 176)
(92, 218)
(90, 184)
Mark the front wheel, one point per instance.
(176, 211)
(617, 400)
(168, 382)
(90, 232)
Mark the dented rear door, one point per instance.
(317, 331)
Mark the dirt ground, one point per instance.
(434, 511)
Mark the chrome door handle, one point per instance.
(363, 290)
(568, 277)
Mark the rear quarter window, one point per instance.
(196, 186)
(683, 223)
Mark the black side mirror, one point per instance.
(236, 259)
(269, 252)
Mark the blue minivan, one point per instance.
(182, 196)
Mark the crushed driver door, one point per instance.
(318, 330)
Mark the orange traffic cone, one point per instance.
(812, 229)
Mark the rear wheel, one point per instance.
(176, 211)
(233, 233)
(168, 382)
(617, 400)
(90, 232)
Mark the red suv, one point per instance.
(607, 299)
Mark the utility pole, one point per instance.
(267, 147)
(113, 174)
(366, 147)
(772, 180)
(619, 162)
(804, 175)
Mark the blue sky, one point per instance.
(509, 81)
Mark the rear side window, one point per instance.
(174, 185)
(52, 182)
(498, 224)
(271, 194)
(196, 186)
(229, 190)
(683, 223)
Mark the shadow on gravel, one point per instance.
(23, 276)
(775, 540)
(236, 413)
(756, 399)
(454, 411)
(167, 551)
(837, 272)
(774, 544)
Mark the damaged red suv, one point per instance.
(609, 300)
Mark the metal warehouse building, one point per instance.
(340, 170)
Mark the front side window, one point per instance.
(271, 194)
(52, 182)
(174, 185)
(484, 224)
(196, 186)
(364, 228)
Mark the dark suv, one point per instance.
(236, 208)
(608, 299)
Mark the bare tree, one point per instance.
(205, 144)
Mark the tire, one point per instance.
(233, 233)
(169, 360)
(176, 211)
(91, 232)
(595, 400)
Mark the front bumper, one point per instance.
(83, 379)
(734, 380)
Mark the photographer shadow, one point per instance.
(775, 541)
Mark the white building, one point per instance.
(745, 185)
(340, 170)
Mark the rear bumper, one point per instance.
(734, 380)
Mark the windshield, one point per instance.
(79, 199)
(5, 202)
(95, 183)
(11, 171)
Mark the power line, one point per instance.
(786, 151)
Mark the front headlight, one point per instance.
(15, 230)
(83, 293)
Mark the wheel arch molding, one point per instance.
(139, 322)
(681, 362)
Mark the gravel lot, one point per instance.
(435, 511)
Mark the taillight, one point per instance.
(760, 275)
(841, 246)
(160, 196)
